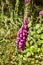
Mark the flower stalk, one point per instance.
(23, 31)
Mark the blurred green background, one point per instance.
(11, 19)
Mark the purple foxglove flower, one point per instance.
(18, 35)
(17, 40)
(25, 26)
(41, 13)
(25, 31)
(22, 41)
(25, 21)
(22, 34)
(21, 49)
(24, 38)
(20, 44)
(22, 25)
(26, 34)
(20, 31)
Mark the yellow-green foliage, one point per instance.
(11, 19)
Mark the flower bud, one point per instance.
(26, 1)
(17, 40)
(41, 13)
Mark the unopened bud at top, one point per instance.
(26, 1)
(41, 13)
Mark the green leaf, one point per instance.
(40, 42)
(28, 54)
(30, 23)
(31, 42)
(41, 36)
(39, 31)
(25, 51)
(27, 44)
(28, 39)
(33, 48)
(37, 26)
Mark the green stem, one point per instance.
(16, 8)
